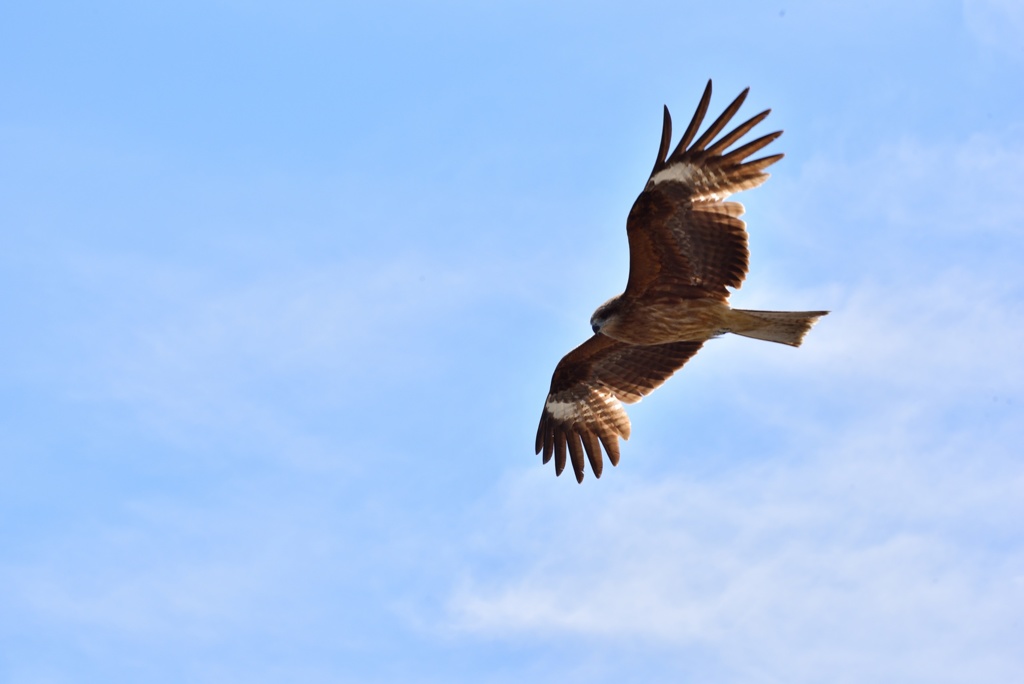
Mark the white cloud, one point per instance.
(998, 24)
(181, 571)
(194, 356)
(879, 540)
(954, 188)
(948, 335)
(872, 559)
(898, 215)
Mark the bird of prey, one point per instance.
(687, 247)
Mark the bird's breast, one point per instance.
(659, 321)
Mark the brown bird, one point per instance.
(687, 246)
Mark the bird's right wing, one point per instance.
(583, 410)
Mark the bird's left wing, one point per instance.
(583, 410)
(684, 237)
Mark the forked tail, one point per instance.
(785, 327)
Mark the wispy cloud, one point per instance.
(862, 561)
(997, 24)
(877, 540)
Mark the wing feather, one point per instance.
(683, 235)
(716, 127)
(695, 121)
(583, 411)
(666, 140)
(575, 451)
(559, 455)
(741, 153)
(592, 445)
(729, 138)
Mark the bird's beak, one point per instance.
(596, 328)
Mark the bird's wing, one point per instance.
(583, 410)
(684, 238)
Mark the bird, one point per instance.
(687, 250)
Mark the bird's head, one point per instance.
(604, 313)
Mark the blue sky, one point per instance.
(284, 285)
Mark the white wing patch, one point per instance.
(682, 172)
(571, 411)
(562, 410)
(694, 176)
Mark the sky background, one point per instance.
(283, 285)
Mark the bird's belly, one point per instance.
(671, 321)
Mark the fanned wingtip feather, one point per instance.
(666, 140)
(559, 454)
(575, 453)
(695, 122)
(592, 445)
(741, 153)
(735, 134)
(611, 445)
(758, 165)
(723, 119)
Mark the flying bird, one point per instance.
(687, 247)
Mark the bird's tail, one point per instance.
(785, 327)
